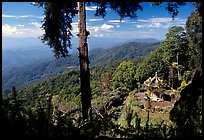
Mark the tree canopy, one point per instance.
(124, 76)
(194, 34)
(57, 26)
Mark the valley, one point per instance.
(31, 73)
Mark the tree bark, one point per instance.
(84, 62)
(1, 100)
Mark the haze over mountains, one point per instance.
(18, 52)
(27, 65)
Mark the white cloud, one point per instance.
(74, 23)
(36, 24)
(133, 22)
(160, 20)
(116, 21)
(106, 27)
(20, 16)
(157, 24)
(8, 30)
(91, 8)
(118, 26)
(95, 19)
(100, 30)
(130, 34)
(154, 25)
(20, 25)
(74, 27)
(139, 26)
(14, 31)
(40, 16)
(8, 16)
(96, 28)
(160, 23)
(98, 35)
(155, 20)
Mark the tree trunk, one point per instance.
(1, 111)
(84, 62)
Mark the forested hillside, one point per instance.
(36, 72)
(120, 102)
(139, 89)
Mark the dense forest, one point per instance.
(123, 92)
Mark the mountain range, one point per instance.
(49, 66)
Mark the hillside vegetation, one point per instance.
(36, 72)
(124, 85)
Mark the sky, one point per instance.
(23, 20)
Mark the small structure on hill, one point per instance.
(154, 84)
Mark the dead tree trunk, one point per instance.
(84, 62)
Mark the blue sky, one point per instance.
(21, 20)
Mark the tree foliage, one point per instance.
(194, 34)
(124, 76)
(170, 60)
(176, 54)
(129, 9)
(57, 26)
(187, 111)
(151, 64)
(176, 45)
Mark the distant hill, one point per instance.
(98, 57)
(127, 51)
(12, 58)
(20, 52)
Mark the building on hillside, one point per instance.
(153, 84)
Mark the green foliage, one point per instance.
(170, 60)
(124, 9)
(131, 50)
(176, 47)
(124, 76)
(176, 54)
(130, 9)
(187, 111)
(151, 64)
(129, 112)
(194, 33)
(105, 122)
(57, 26)
(65, 86)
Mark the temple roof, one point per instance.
(155, 81)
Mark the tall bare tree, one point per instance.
(84, 61)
